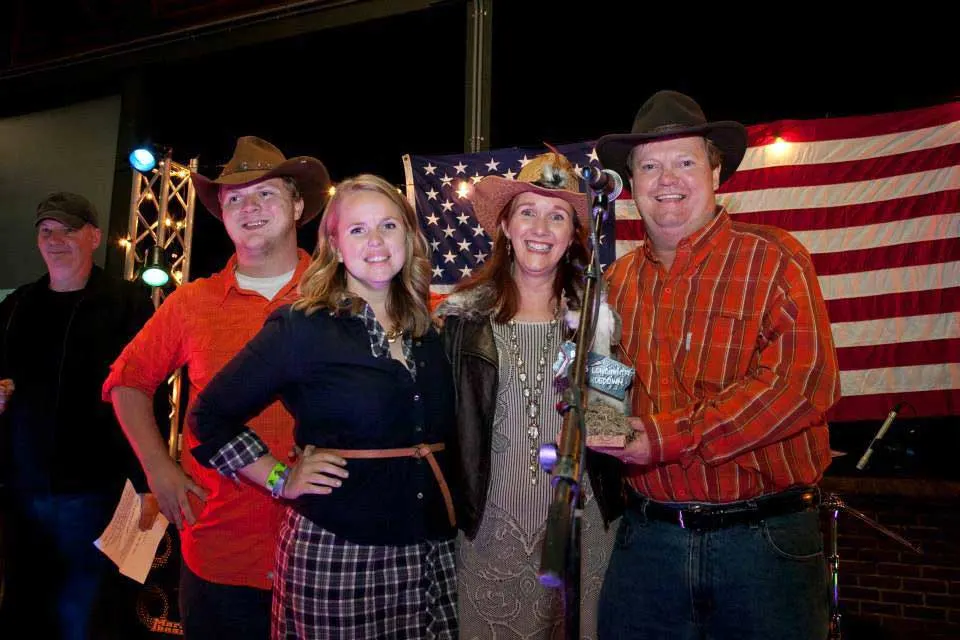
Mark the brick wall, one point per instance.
(887, 590)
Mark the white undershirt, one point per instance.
(267, 287)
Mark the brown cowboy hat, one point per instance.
(549, 174)
(254, 159)
(670, 114)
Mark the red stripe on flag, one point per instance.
(843, 172)
(886, 257)
(894, 305)
(856, 215)
(904, 354)
(629, 230)
(854, 126)
(877, 406)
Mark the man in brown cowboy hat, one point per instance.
(227, 528)
(726, 327)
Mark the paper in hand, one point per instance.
(131, 549)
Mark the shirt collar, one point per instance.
(228, 276)
(696, 247)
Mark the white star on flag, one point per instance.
(492, 165)
(431, 195)
(429, 169)
(460, 167)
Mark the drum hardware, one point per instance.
(833, 505)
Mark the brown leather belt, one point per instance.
(417, 451)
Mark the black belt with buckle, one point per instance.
(701, 517)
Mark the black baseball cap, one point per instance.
(71, 209)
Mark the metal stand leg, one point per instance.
(833, 557)
(835, 505)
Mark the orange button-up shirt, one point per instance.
(202, 325)
(735, 363)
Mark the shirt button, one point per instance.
(422, 364)
(416, 397)
(269, 575)
(664, 381)
(418, 429)
(419, 496)
(667, 289)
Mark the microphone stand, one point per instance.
(560, 557)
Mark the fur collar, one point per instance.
(477, 303)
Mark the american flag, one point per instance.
(874, 199)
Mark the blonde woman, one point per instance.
(366, 548)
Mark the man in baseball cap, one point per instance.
(68, 460)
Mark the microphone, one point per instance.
(882, 432)
(606, 181)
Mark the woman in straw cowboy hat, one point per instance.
(366, 547)
(503, 329)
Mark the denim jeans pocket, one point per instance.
(794, 537)
(627, 530)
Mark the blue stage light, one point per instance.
(143, 159)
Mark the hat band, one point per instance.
(673, 127)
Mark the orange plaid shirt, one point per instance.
(735, 363)
(202, 325)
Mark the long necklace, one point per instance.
(532, 395)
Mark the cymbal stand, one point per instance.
(834, 505)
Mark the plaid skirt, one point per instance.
(329, 588)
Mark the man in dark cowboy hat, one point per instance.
(228, 528)
(726, 327)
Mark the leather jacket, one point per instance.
(468, 340)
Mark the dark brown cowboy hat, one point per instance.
(670, 114)
(254, 160)
(549, 174)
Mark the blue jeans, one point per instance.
(56, 573)
(762, 581)
(212, 610)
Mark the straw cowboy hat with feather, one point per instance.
(670, 114)
(254, 160)
(549, 174)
